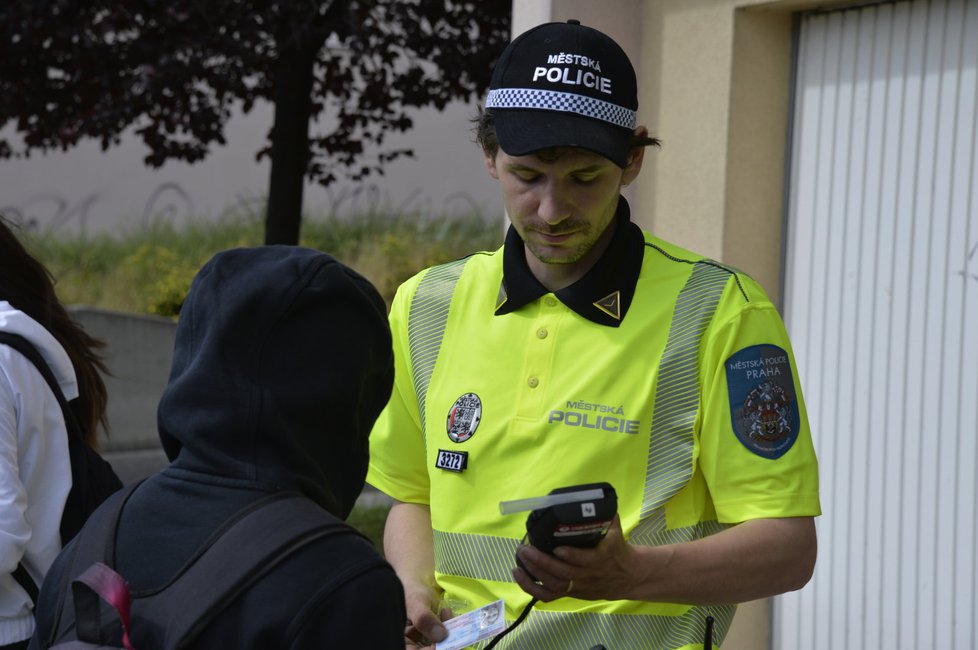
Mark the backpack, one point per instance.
(92, 478)
(99, 611)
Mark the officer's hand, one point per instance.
(424, 627)
(605, 572)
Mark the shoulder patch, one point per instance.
(763, 402)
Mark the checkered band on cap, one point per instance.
(552, 100)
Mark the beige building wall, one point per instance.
(714, 85)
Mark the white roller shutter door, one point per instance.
(881, 301)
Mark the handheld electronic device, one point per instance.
(579, 515)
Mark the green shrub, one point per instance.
(149, 269)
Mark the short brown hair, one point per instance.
(485, 134)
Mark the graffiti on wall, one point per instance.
(171, 202)
(51, 211)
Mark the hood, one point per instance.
(281, 364)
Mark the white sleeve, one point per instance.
(14, 529)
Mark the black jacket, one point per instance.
(282, 363)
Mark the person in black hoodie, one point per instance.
(282, 362)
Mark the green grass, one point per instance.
(370, 520)
(149, 269)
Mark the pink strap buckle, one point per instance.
(110, 587)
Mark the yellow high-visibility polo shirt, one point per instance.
(666, 375)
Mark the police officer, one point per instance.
(583, 351)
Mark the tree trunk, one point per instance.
(290, 145)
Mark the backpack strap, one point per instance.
(252, 543)
(273, 529)
(100, 583)
(95, 543)
(26, 582)
(22, 345)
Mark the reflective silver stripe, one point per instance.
(554, 100)
(485, 557)
(652, 531)
(558, 630)
(479, 557)
(670, 463)
(426, 325)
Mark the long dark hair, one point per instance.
(27, 285)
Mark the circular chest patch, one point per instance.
(464, 417)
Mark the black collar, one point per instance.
(602, 295)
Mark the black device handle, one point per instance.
(708, 637)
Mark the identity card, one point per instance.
(474, 626)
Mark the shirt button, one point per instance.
(542, 333)
(533, 382)
(550, 301)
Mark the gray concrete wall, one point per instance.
(139, 353)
